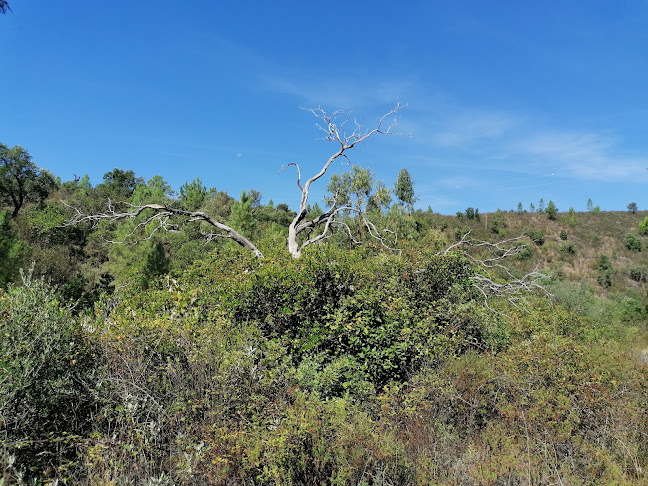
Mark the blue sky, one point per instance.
(507, 101)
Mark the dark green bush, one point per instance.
(604, 277)
(563, 235)
(632, 242)
(497, 223)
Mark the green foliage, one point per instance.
(535, 235)
(157, 263)
(567, 247)
(497, 223)
(517, 418)
(10, 250)
(119, 185)
(219, 205)
(347, 366)
(632, 207)
(47, 394)
(404, 189)
(156, 190)
(551, 210)
(193, 194)
(21, 180)
(525, 252)
(324, 311)
(357, 189)
(643, 227)
(639, 273)
(241, 217)
(472, 213)
(604, 267)
(632, 243)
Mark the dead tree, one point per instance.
(167, 218)
(488, 259)
(333, 126)
(162, 217)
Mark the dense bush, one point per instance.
(48, 383)
(632, 242)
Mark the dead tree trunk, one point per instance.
(335, 132)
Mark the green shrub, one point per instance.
(524, 251)
(377, 313)
(497, 223)
(536, 235)
(643, 227)
(567, 247)
(604, 277)
(47, 394)
(10, 250)
(563, 235)
(639, 273)
(632, 242)
(551, 211)
(472, 213)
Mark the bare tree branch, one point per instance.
(163, 217)
(512, 287)
(334, 131)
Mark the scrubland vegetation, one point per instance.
(184, 360)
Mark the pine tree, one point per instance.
(157, 263)
(404, 190)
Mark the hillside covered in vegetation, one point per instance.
(502, 348)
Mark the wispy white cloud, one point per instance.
(338, 92)
(581, 155)
(515, 143)
(470, 127)
(466, 136)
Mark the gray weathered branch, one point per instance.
(163, 216)
(335, 132)
(512, 287)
